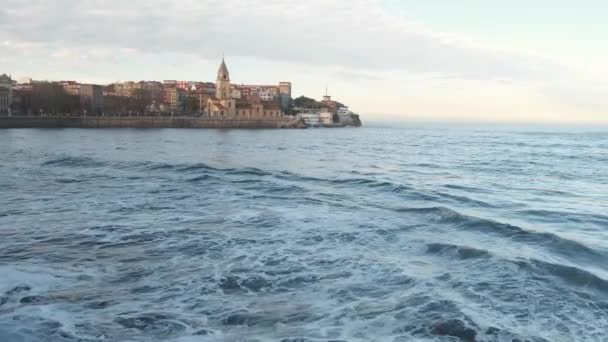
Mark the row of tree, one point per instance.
(48, 98)
(52, 99)
(307, 102)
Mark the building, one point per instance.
(222, 104)
(126, 89)
(174, 97)
(236, 93)
(326, 118)
(6, 95)
(285, 94)
(265, 92)
(311, 118)
(203, 88)
(315, 117)
(250, 106)
(71, 87)
(331, 105)
(91, 99)
(285, 88)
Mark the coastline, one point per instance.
(156, 122)
(143, 122)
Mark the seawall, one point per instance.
(137, 122)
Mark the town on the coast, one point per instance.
(170, 103)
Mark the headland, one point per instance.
(167, 104)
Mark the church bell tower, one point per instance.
(222, 84)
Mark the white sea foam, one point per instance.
(273, 246)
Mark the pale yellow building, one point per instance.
(71, 87)
(225, 105)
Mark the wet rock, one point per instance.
(156, 324)
(230, 284)
(202, 332)
(139, 323)
(251, 319)
(236, 319)
(492, 331)
(98, 305)
(255, 284)
(18, 289)
(455, 328)
(34, 300)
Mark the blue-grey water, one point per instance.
(420, 233)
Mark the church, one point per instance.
(224, 106)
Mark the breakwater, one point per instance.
(140, 122)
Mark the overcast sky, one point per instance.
(542, 60)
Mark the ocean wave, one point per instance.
(199, 179)
(196, 167)
(572, 275)
(74, 162)
(247, 171)
(460, 252)
(569, 274)
(346, 242)
(554, 243)
(561, 216)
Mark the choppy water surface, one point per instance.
(371, 234)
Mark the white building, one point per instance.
(236, 93)
(266, 94)
(311, 118)
(326, 118)
(6, 95)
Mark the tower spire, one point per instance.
(222, 73)
(222, 84)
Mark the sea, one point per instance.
(419, 232)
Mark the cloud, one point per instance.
(590, 99)
(355, 41)
(356, 76)
(66, 53)
(354, 34)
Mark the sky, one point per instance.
(431, 60)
